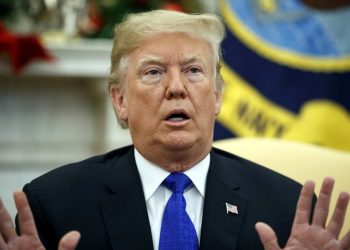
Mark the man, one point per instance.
(166, 88)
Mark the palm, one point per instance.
(310, 237)
(315, 235)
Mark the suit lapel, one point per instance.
(124, 211)
(221, 230)
(125, 214)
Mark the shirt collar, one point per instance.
(152, 175)
(198, 174)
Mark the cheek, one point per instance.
(144, 106)
(205, 95)
(205, 104)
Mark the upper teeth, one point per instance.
(176, 118)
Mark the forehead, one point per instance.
(172, 47)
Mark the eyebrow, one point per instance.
(151, 59)
(192, 59)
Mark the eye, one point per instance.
(194, 70)
(152, 72)
(152, 75)
(194, 73)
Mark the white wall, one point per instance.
(47, 121)
(53, 114)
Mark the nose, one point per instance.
(175, 86)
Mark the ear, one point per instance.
(119, 101)
(218, 101)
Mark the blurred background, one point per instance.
(286, 64)
(54, 66)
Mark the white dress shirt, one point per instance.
(157, 196)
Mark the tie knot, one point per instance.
(177, 182)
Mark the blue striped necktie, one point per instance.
(177, 232)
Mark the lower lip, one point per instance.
(177, 123)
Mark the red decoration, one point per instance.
(173, 6)
(21, 49)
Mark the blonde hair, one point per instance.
(136, 28)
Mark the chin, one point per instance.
(179, 142)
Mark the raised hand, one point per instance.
(315, 235)
(29, 238)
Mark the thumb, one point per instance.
(69, 241)
(267, 236)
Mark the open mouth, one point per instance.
(177, 117)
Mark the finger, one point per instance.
(7, 229)
(2, 243)
(25, 216)
(322, 204)
(69, 241)
(345, 241)
(303, 210)
(336, 223)
(267, 236)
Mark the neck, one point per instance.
(174, 160)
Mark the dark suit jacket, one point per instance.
(102, 197)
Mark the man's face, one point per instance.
(169, 97)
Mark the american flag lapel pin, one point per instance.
(231, 209)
